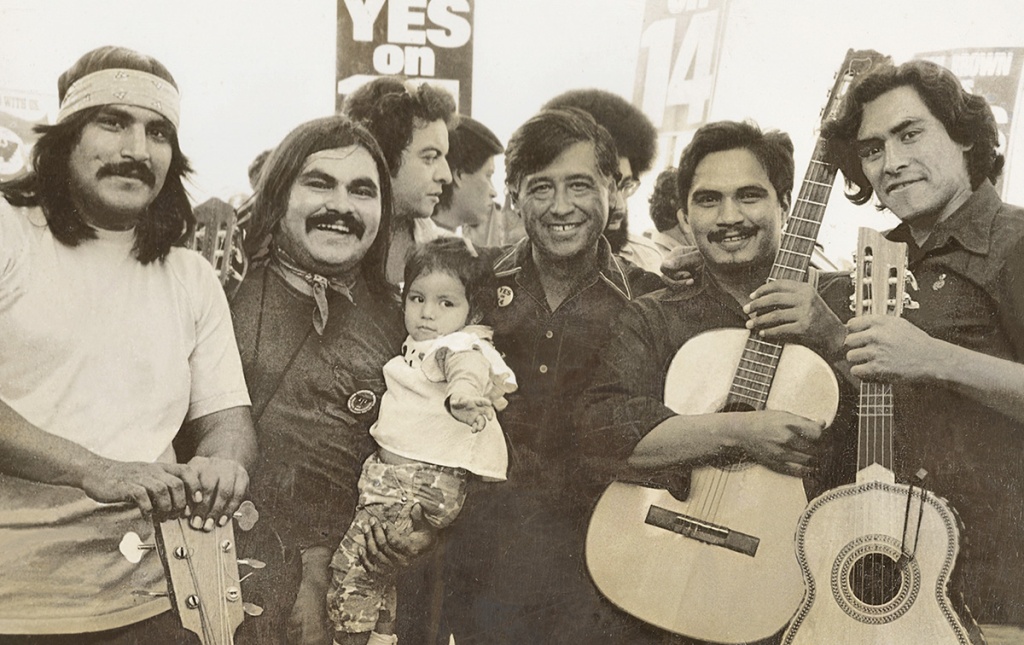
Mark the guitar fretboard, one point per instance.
(798, 240)
(875, 426)
(753, 380)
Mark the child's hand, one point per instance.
(474, 411)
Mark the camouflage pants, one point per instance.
(387, 492)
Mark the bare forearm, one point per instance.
(34, 454)
(681, 439)
(227, 434)
(316, 566)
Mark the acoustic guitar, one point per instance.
(717, 564)
(876, 556)
(202, 573)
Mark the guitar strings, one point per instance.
(791, 262)
(204, 619)
(875, 431)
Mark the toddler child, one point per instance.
(436, 425)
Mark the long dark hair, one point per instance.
(167, 222)
(281, 170)
(967, 117)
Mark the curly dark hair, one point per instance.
(664, 201)
(634, 135)
(967, 117)
(390, 109)
(540, 140)
(773, 149)
(453, 256)
(167, 222)
(281, 170)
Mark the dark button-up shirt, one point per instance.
(625, 399)
(522, 539)
(970, 277)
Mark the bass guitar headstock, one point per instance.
(202, 573)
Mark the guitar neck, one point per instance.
(760, 358)
(803, 224)
(754, 375)
(878, 289)
(875, 426)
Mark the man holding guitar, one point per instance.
(114, 340)
(735, 184)
(926, 148)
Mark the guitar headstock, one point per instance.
(856, 63)
(202, 573)
(881, 274)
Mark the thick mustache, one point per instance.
(129, 169)
(350, 221)
(720, 234)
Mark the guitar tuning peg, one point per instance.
(911, 281)
(132, 547)
(255, 564)
(909, 303)
(247, 515)
(251, 609)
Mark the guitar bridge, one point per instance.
(702, 531)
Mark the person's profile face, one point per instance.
(423, 171)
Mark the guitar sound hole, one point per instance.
(876, 579)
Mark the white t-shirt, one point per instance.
(113, 355)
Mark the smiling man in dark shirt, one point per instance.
(515, 570)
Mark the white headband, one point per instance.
(122, 86)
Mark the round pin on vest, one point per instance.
(362, 402)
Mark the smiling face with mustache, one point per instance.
(119, 165)
(735, 214)
(334, 211)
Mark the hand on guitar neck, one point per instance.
(207, 489)
(202, 573)
(786, 311)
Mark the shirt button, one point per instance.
(549, 334)
(543, 369)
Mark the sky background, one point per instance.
(250, 70)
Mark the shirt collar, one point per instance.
(610, 268)
(970, 225)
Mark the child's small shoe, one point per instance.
(381, 639)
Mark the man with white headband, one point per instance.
(115, 342)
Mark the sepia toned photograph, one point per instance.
(491, 322)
